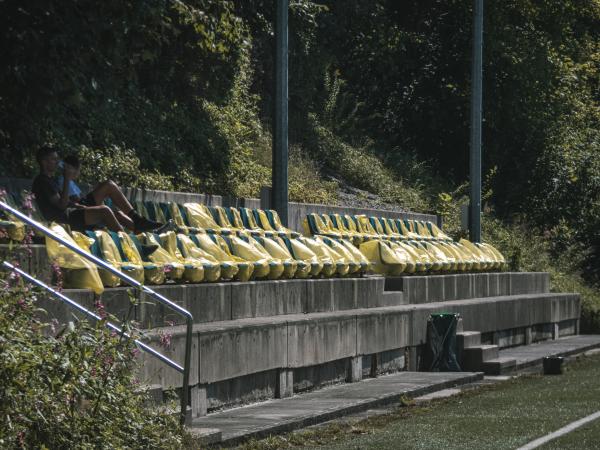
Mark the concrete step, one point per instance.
(282, 415)
(474, 357)
(527, 356)
(217, 302)
(465, 339)
(392, 299)
(499, 366)
(437, 288)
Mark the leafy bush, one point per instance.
(306, 183)
(70, 388)
(359, 167)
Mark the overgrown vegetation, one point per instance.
(70, 387)
(178, 95)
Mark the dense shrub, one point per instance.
(74, 387)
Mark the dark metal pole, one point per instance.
(279, 195)
(476, 118)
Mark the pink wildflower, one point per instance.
(53, 325)
(58, 275)
(28, 202)
(100, 308)
(21, 438)
(164, 339)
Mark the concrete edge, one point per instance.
(308, 420)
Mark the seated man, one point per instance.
(56, 203)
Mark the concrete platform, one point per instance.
(373, 394)
(259, 345)
(278, 416)
(532, 355)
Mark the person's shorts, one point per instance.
(88, 200)
(76, 219)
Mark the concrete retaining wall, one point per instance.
(317, 347)
(296, 211)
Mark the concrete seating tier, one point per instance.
(259, 340)
(217, 302)
(308, 350)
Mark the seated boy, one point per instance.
(75, 193)
(61, 202)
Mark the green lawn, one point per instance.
(587, 436)
(504, 416)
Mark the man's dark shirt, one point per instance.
(44, 189)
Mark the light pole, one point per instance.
(279, 193)
(476, 122)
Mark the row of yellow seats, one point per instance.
(196, 217)
(394, 258)
(361, 228)
(405, 246)
(201, 257)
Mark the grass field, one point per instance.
(506, 415)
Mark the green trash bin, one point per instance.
(441, 340)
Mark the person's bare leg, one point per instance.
(109, 189)
(124, 220)
(94, 215)
(129, 217)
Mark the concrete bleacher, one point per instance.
(288, 336)
(262, 339)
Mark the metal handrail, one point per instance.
(132, 282)
(91, 314)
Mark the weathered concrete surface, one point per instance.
(245, 348)
(276, 416)
(260, 344)
(532, 355)
(217, 302)
(320, 338)
(383, 329)
(436, 288)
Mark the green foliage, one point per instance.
(306, 183)
(179, 95)
(94, 74)
(70, 388)
(242, 133)
(359, 167)
(121, 165)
